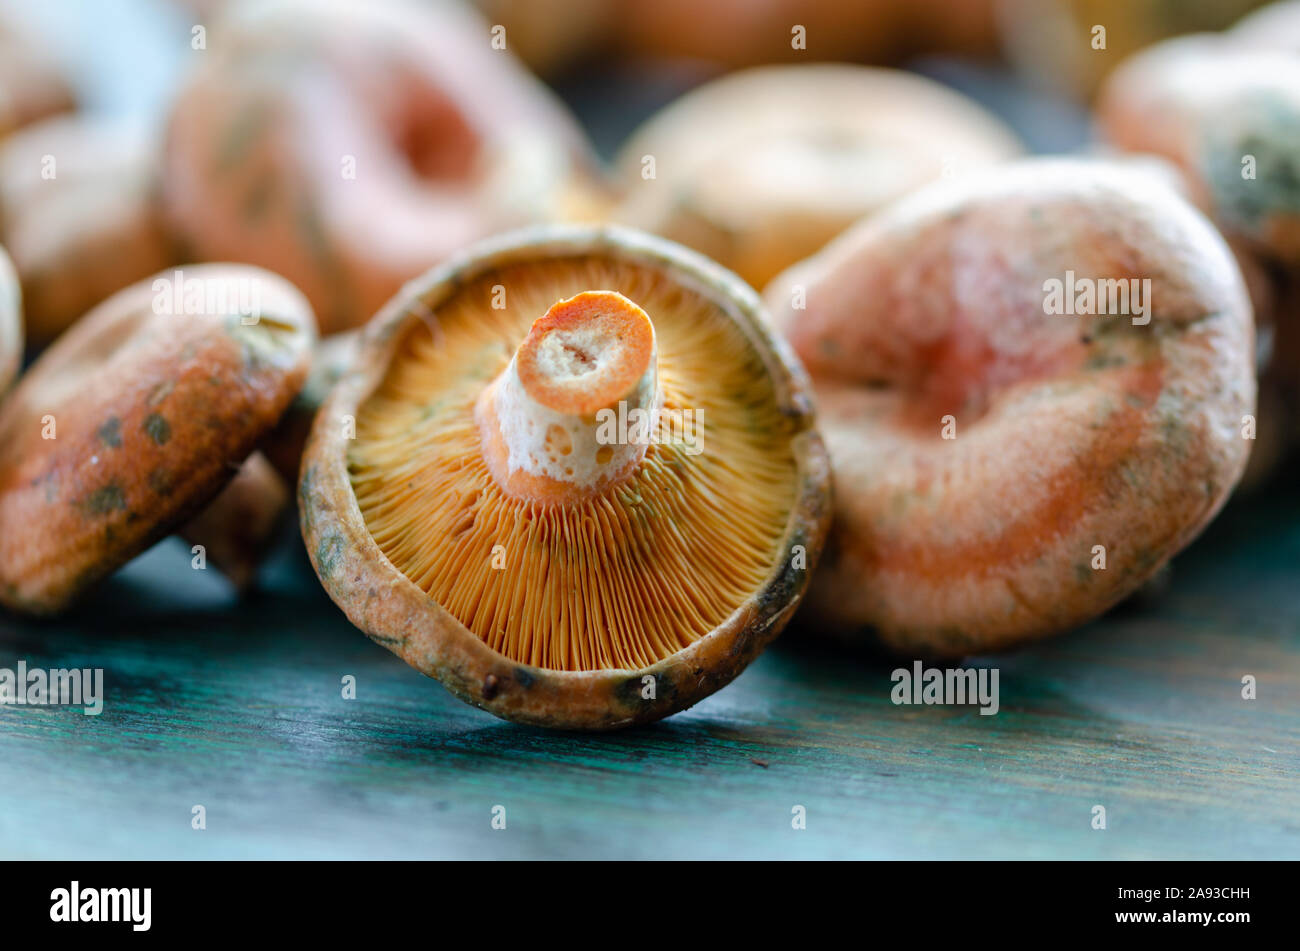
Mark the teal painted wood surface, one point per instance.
(239, 708)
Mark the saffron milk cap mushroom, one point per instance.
(1033, 384)
(1229, 116)
(79, 212)
(761, 168)
(351, 146)
(136, 417)
(572, 475)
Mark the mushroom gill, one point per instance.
(578, 567)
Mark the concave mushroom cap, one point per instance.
(1067, 431)
(11, 323)
(583, 589)
(761, 168)
(136, 417)
(351, 146)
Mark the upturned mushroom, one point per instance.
(571, 475)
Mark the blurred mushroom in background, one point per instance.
(1225, 108)
(79, 212)
(737, 33)
(1230, 118)
(32, 84)
(1278, 429)
(760, 169)
(351, 146)
(1275, 429)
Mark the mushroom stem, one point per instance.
(576, 407)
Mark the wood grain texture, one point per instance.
(239, 708)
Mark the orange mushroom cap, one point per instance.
(986, 443)
(133, 420)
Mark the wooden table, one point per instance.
(239, 708)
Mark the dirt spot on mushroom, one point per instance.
(157, 428)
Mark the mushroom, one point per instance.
(351, 146)
(1226, 108)
(760, 169)
(572, 476)
(737, 33)
(1277, 367)
(136, 418)
(1229, 116)
(80, 215)
(1008, 466)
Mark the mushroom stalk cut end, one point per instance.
(545, 421)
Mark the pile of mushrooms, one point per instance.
(575, 470)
